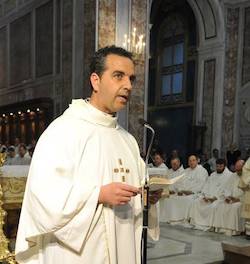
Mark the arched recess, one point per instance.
(205, 130)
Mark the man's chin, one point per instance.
(120, 106)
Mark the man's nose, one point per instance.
(128, 83)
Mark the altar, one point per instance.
(12, 180)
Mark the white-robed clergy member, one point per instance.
(159, 160)
(177, 207)
(82, 202)
(227, 217)
(175, 171)
(245, 186)
(203, 208)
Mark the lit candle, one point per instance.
(133, 41)
(128, 45)
(125, 41)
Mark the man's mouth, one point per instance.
(124, 97)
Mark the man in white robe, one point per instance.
(177, 207)
(227, 218)
(165, 206)
(22, 158)
(245, 186)
(203, 208)
(159, 161)
(82, 202)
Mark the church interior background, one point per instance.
(193, 76)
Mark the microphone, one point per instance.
(145, 195)
(144, 123)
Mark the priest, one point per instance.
(245, 186)
(227, 217)
(82, 202)
(214, 191)
(176, 170)
(175, 210)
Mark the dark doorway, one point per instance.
(172, 74)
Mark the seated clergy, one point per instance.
(175, 171)
(203, 208)
(22, 158)
(10, 156)
(227, 217)
(165, 206)
(159, 160)
(176, 208)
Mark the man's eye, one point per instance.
(118, 76)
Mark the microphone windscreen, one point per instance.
(142, 121)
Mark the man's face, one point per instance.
(12, 153)
(21, 151)
(216, 153)
(158, 160)
(238, 166)
(111, 90)
(192, 162)
(220, 168)
(175, 164)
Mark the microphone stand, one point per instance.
(145, 198)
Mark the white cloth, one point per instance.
(193, 180)
(164, 166)
(176, 208)
(15, 170)
(25, 160)
(227, 217)
(202, 213)
(173, 174)
(218, 185)
(61, 220)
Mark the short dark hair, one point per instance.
(193, 154)
(97, 64)
(221, 161)
(175, 158)
(22, 145)
(161, 154)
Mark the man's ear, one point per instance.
(95, 81)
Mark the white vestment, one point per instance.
(202, 213)
(176, 208)
(227, 217)
(61, 220)
(173, 174)
(25, 160)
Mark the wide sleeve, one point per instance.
(62, 191)
(246, 173)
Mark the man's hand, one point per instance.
(187, 192)
(209, 200)
(117, 193)
(230, 200)
(155, 196)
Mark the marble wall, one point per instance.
(208, 105)
(230, 82)
(136, 106)
(106, 22)
(246, 48)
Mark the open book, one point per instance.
(158, 179)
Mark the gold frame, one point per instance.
(5, 254)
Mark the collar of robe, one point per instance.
(84, 110)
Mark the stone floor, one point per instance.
(179, 245)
